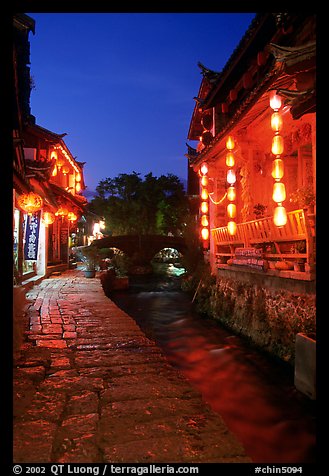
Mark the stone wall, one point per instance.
(269, 315)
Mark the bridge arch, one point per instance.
(142, 248)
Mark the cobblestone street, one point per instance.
(89, 387)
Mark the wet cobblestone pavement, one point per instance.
(90, 387)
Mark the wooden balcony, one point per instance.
(290, 245)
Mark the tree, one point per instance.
(131, 205)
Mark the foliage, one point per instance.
(259, 210)
(90, 256)
(120, 263)
(303, 197)
(131, 205)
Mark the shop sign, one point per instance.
(32, 237)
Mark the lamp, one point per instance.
(232, 227)
(280, 216)
(30, 202)
(48, 218)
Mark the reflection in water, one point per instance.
(254, 394)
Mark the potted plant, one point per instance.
(304, 197)
(90, 258)
(259, 210)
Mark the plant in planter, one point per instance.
(303, 197)
(259, 210)
(90, 257)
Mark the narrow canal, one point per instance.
(253, 393)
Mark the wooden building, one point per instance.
(255, 126)
(271, 167)
(47, 179)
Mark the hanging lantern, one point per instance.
(204, 194)
(72, 216)
(62, 212)
(204, 169)
(230, 159)
(59, 163)
(204, 207)
(48, 218)
(231, 210)
(204, 220)
(53, 155)
(231, 194)
(280, 216)
(276, 122)
(65, 169)
(205, 233)
(230, 177)
(204, 180)
(231, 228)
(78, 177)
(275, 100)
(279, 192)
(54, 172)
(277, 145)
(78, 187)
(30, 202)
(277, 169)
(230, 144)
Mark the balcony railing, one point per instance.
(290, 243)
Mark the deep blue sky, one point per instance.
(121, 85)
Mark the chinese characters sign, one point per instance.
(32, 237)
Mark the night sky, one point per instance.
(121, 85)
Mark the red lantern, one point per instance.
(48, 218)
(30, 202)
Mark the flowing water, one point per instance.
(253, 393)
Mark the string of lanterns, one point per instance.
(231, 191)
(279, 190)
(204, 206)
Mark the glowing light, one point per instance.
(204, 220)
(72, 216)
(280, 216)
(231, 210)
(276, 122)
(204, 194)
(275, 100)
(277, 169)
(48, 218)
(30, 202)
(62, 212)
(204, 180)
(231, 194)
(77, 187)
(277, 145)
(205, 233)
(230, 159)
(78, 177)
(279, 192)
(231, 178)
(204, 169)
(230, 144)
(65, 169)
(204, 207)
(54, 172)
(231, 228)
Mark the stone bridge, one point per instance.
(142, 248)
